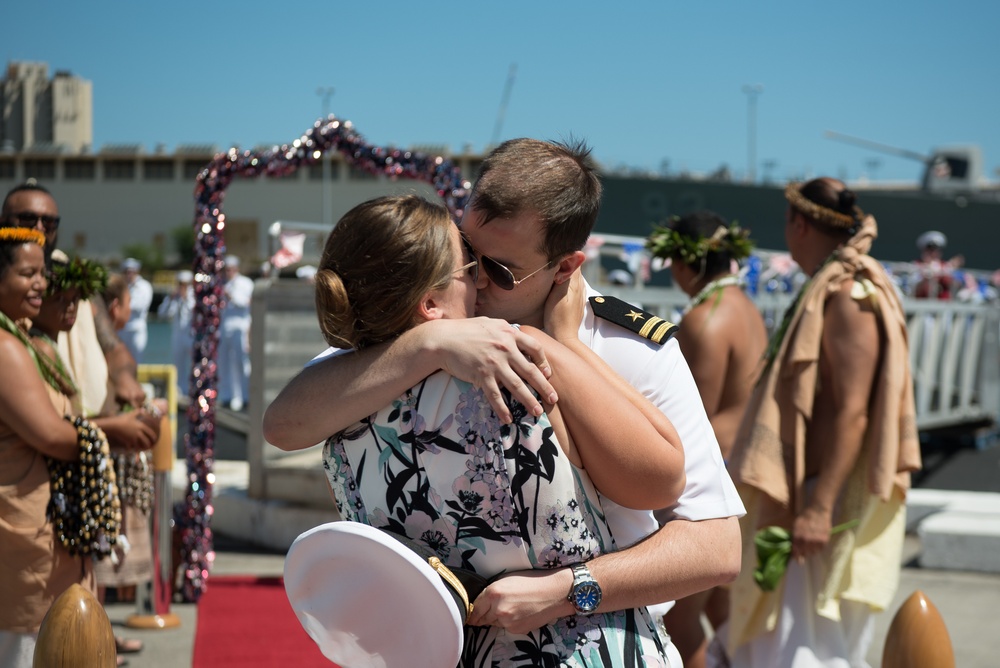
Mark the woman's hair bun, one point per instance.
(846, 200)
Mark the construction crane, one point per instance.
(947, 170)
(504, 99)
(876, 146)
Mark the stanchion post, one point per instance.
(153, 598)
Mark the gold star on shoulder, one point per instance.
(635, 316)
(653, 327)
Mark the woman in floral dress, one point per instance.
(439, 467)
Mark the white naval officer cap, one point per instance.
(369, 601)
(932, 238)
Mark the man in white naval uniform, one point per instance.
(234, 337)
(529, 216)
(177, 306)
(135, 333)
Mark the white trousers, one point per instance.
(181, 354)
(802, 638)
(234, 365)
(17, 650)
(134, 336)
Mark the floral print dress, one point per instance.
(438, 467)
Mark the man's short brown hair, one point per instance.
(558, 181)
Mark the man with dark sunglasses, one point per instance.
(31, 205)
(31, 219)
(532, 209)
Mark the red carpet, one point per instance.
(247, 621)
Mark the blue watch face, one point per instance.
(587, 597)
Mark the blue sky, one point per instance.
(643, 82)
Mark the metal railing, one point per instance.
(954, 353)
(954, 345)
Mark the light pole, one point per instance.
(325, 93)
(873, 164)
(752, 91)
(769, 166)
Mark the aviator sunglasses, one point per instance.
(498, 274)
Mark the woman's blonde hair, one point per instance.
(379, 261)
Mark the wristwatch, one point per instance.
(585, 594)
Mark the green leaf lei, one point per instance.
(52, 371)
(712, 290)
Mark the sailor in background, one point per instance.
(135, 334)
(234, 337)
(177, 306)
(936, 277)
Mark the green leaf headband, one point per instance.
(666, 242)
(87, 276)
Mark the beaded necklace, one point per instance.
(712, 288)
(83, 506)
(85, 509)
(135, 478)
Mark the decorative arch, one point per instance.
(193, 514)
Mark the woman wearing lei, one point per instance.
(70, 281)
(48, 533)
(723, 338)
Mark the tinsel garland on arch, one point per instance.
(193, 514)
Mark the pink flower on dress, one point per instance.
(471, 494)
(476, 419)
(439, 534)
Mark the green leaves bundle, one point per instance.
(774, 548)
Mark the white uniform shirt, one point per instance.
(140, 294)
(662, 375)
(236, 307)
(178, 309)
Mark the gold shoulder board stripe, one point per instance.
(643, 323)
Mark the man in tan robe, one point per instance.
(829, 436)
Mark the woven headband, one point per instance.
(820, 213)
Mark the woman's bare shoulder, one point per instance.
(14, 356)
(11, 345)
